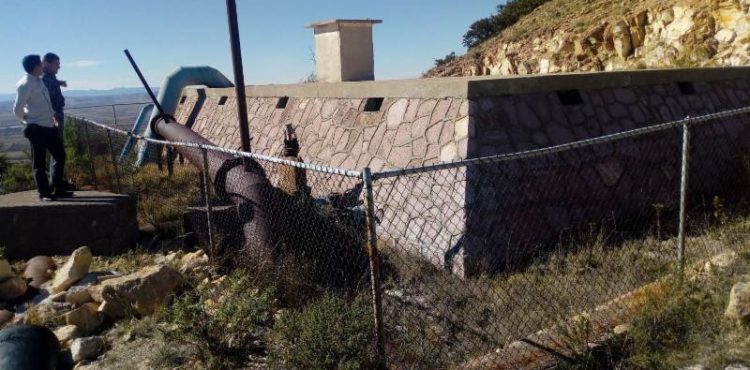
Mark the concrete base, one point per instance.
(104, 222)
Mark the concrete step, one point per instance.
(105, 222)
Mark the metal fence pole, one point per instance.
(683, 196)
(114, 162)
(209, 209)
(88, 150)
(372, 242)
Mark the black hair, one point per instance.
(30, 62)
(50, 57)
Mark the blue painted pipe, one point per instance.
(169, 96)
(143, 117)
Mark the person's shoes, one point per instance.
(47, 197)
(68, 186)
(63, 194)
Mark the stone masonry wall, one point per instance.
(468, 220)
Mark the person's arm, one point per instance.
(22, 96)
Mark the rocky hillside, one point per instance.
(606, 35)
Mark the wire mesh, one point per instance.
(479, 260)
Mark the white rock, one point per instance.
(739, 303)
(75, 268)
(86, 317)
(78, 296)
(5, 270)
(67, 333)
(86, 348)
(142, 292)
(725, 35)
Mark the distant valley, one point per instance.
(92, 104)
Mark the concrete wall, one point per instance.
(468, 219)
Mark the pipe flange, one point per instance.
(167, 118)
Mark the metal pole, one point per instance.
(372, 244)
(88, 150)
(145, 84)
(209, 209)
(239, 76)
(114, 162)
(683, 196)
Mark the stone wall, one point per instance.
(471, 218)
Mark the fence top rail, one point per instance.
(238, 153)
(106, 105)
(562, 147)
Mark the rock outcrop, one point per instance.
(141, 292)
(639, 34)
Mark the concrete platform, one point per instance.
(104, 222)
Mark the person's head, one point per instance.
(32, 64)
(51, 63)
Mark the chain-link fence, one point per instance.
(481, 263)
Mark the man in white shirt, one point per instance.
(34, 109)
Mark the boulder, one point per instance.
(12, 288)
(75, 268)
(738, 308)
(39, 270)
(86, 348)
(5, 270)
(6, 316)
(78, 296)
(142, 291)
(86, 317)
(191, 261)
(622, 40)
(67, 333)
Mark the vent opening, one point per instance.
(373, 104)
(281, 104)
(222, 100)
(686, 88)
(570, 97)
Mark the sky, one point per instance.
(90, 35)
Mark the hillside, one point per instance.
(606, 35)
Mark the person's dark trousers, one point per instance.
(45, 139)
(60, 126)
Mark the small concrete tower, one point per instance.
(343, 50)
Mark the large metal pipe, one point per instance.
(246, 186)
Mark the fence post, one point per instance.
(209, 209)
(683, 196)
(372, 244)
(114, 162)
(88, 150)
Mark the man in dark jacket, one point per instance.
(51, 64)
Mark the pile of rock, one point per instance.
(78, 303)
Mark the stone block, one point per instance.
(104, 222)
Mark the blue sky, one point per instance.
(89, 36)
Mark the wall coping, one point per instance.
(484, 86)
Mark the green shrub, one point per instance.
(507, 15)
(225, 324)
(329, 333)
(17, 177)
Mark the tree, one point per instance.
(507, 15)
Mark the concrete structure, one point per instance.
(343, 50)
(104, 222)
(468, 219)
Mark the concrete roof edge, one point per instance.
(486, 86)
(334, 21)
